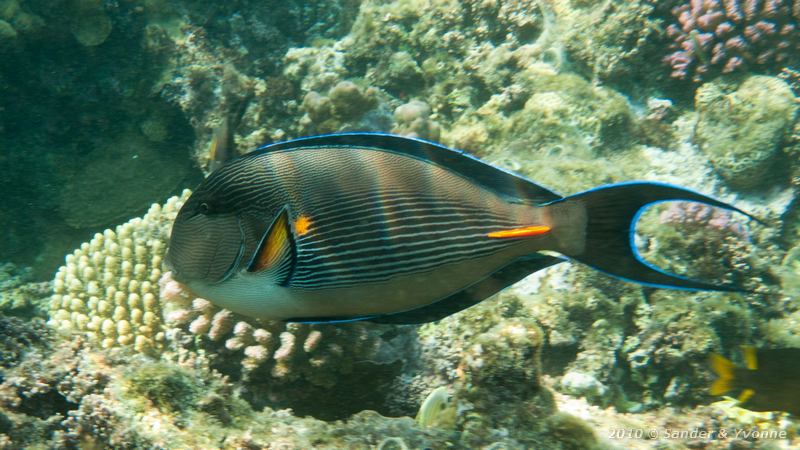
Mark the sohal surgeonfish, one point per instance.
(367, 226)
(767, 383)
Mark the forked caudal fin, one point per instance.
(612, 212)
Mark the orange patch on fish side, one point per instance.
(534, 230)
(302, 224)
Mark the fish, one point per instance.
(766, 383)
(392, 229)
(437, 410)
(220, 149)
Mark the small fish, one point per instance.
(370, 226)
(438, 410)
(220, 150)
(767, 383)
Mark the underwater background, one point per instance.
(112, 110)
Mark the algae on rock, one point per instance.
(744, 128)
(608, 40)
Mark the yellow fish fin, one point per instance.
(276, 252)
(724, 368)
(535, 230)
(746, 395)
(220, 148)
(750, 358)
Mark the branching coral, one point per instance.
(271, 356)
(287, 351)
(723, 36)
(111, 290)
(108, 288)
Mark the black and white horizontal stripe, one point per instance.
(382, 238)
(374, 215)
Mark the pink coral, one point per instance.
(171, 290)
(703, 215)
(723, 36)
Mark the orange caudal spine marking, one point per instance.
(302, 225)
(535, 230)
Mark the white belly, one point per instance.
(254, 296)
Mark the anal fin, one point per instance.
(472, 295)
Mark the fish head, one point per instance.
(206, 242)
(218, 230)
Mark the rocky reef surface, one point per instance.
(111, 109)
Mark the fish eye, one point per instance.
(204, 208)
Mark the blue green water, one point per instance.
(111, 110)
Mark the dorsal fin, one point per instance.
(501, 181)
(276, 253)
(750, 357)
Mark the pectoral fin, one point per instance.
(276, 254)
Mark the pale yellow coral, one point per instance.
(108, 288)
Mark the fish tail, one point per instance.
(725, 371)
(607, 244)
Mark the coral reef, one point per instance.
(713, 37)
(491, 357)
(789, 272)
(108, 288)
(108, 105)
(719, 239)
(103, 102)
(78, 399)
(413, 119)
(743, 129)
(227, 62)
(617, 344)
(18, 295)
(610, 41)
(290, 364)
(345, 107)
(77, 84)
(37, 394)
(18, 336)
(112, 291)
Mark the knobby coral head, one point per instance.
(712, 37)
